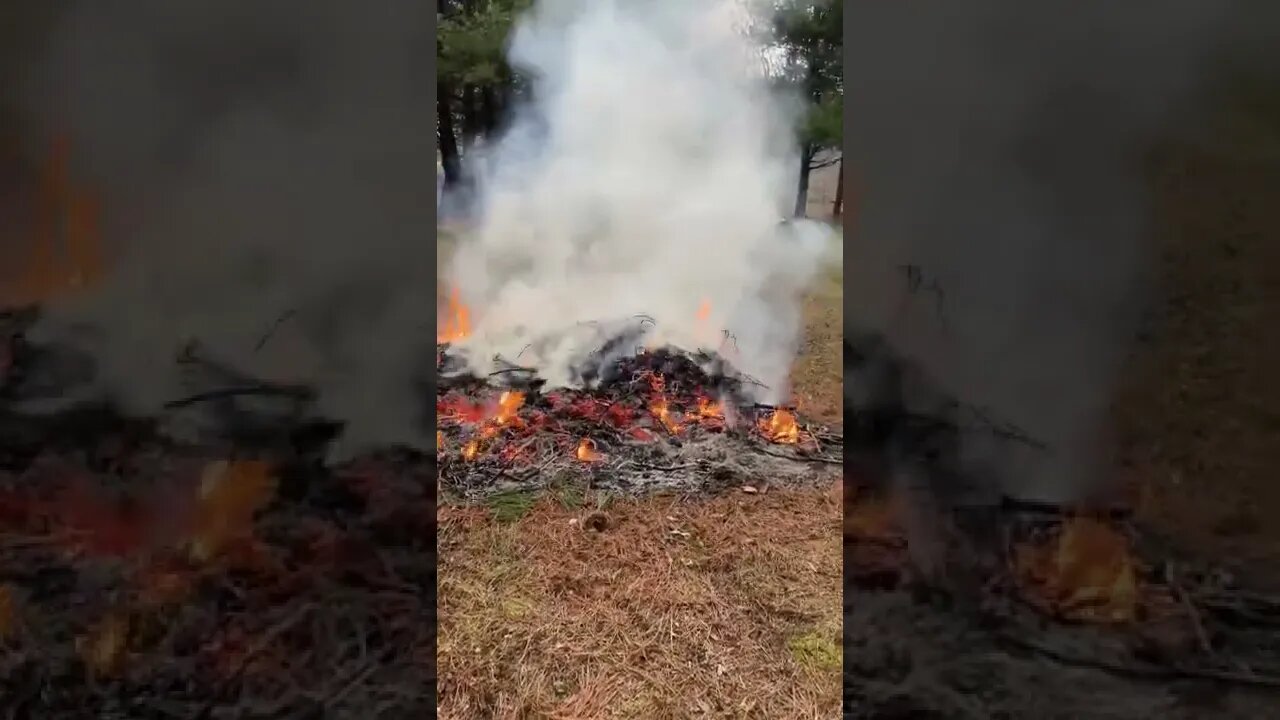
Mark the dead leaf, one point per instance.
(231, 493)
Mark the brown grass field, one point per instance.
(1198, 415)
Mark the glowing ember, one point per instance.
(587, 451)
(470, 450)
(1086, 573)
(456, 323)
(439, 440)
(780, 427)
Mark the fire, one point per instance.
(230, 494)
(705, 333)
(1086, 573)
(587, 451)
(66, 251)
(504, 416)
(704, 311)
(662, 411)
(781, 427)
(709, 409)
(456, 323)
(509, 404)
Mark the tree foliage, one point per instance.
(475, 81)
(810, 33)
(472, 38)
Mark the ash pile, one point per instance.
(660, 419)
(962, 601)
(206, 563)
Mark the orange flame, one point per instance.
(704, 310)
(66, 245)
(708, 408)
(662, 412)
(456, 323)
(705, 334)
(470, 450)
(1086, 574)
(781, 427)
(587, 451)
(509, 404)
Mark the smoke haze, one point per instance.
(998, 148)
(648, 175)
(257, 160)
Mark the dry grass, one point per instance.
(721, 608)
(1199, 416)
(818, 375)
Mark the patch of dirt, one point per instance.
(727, 607)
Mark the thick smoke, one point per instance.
(647, 176)
(998, 147)
(262, 164)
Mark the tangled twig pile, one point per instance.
(966, 602)
(661, 419)
(141, 577)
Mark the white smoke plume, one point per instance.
(265, 169)
(648, 175)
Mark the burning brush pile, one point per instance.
(143, 576)
(963, 601)
(659, 419)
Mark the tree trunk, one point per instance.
(448, 140)
(489, 110)
(802, 192)
(471, 123)
(838, 205)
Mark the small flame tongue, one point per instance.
(587, 451)
(780, 426)
(455, 324)
(509, 404)
(66, 245)
(662, 412)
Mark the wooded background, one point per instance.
(475, 86)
